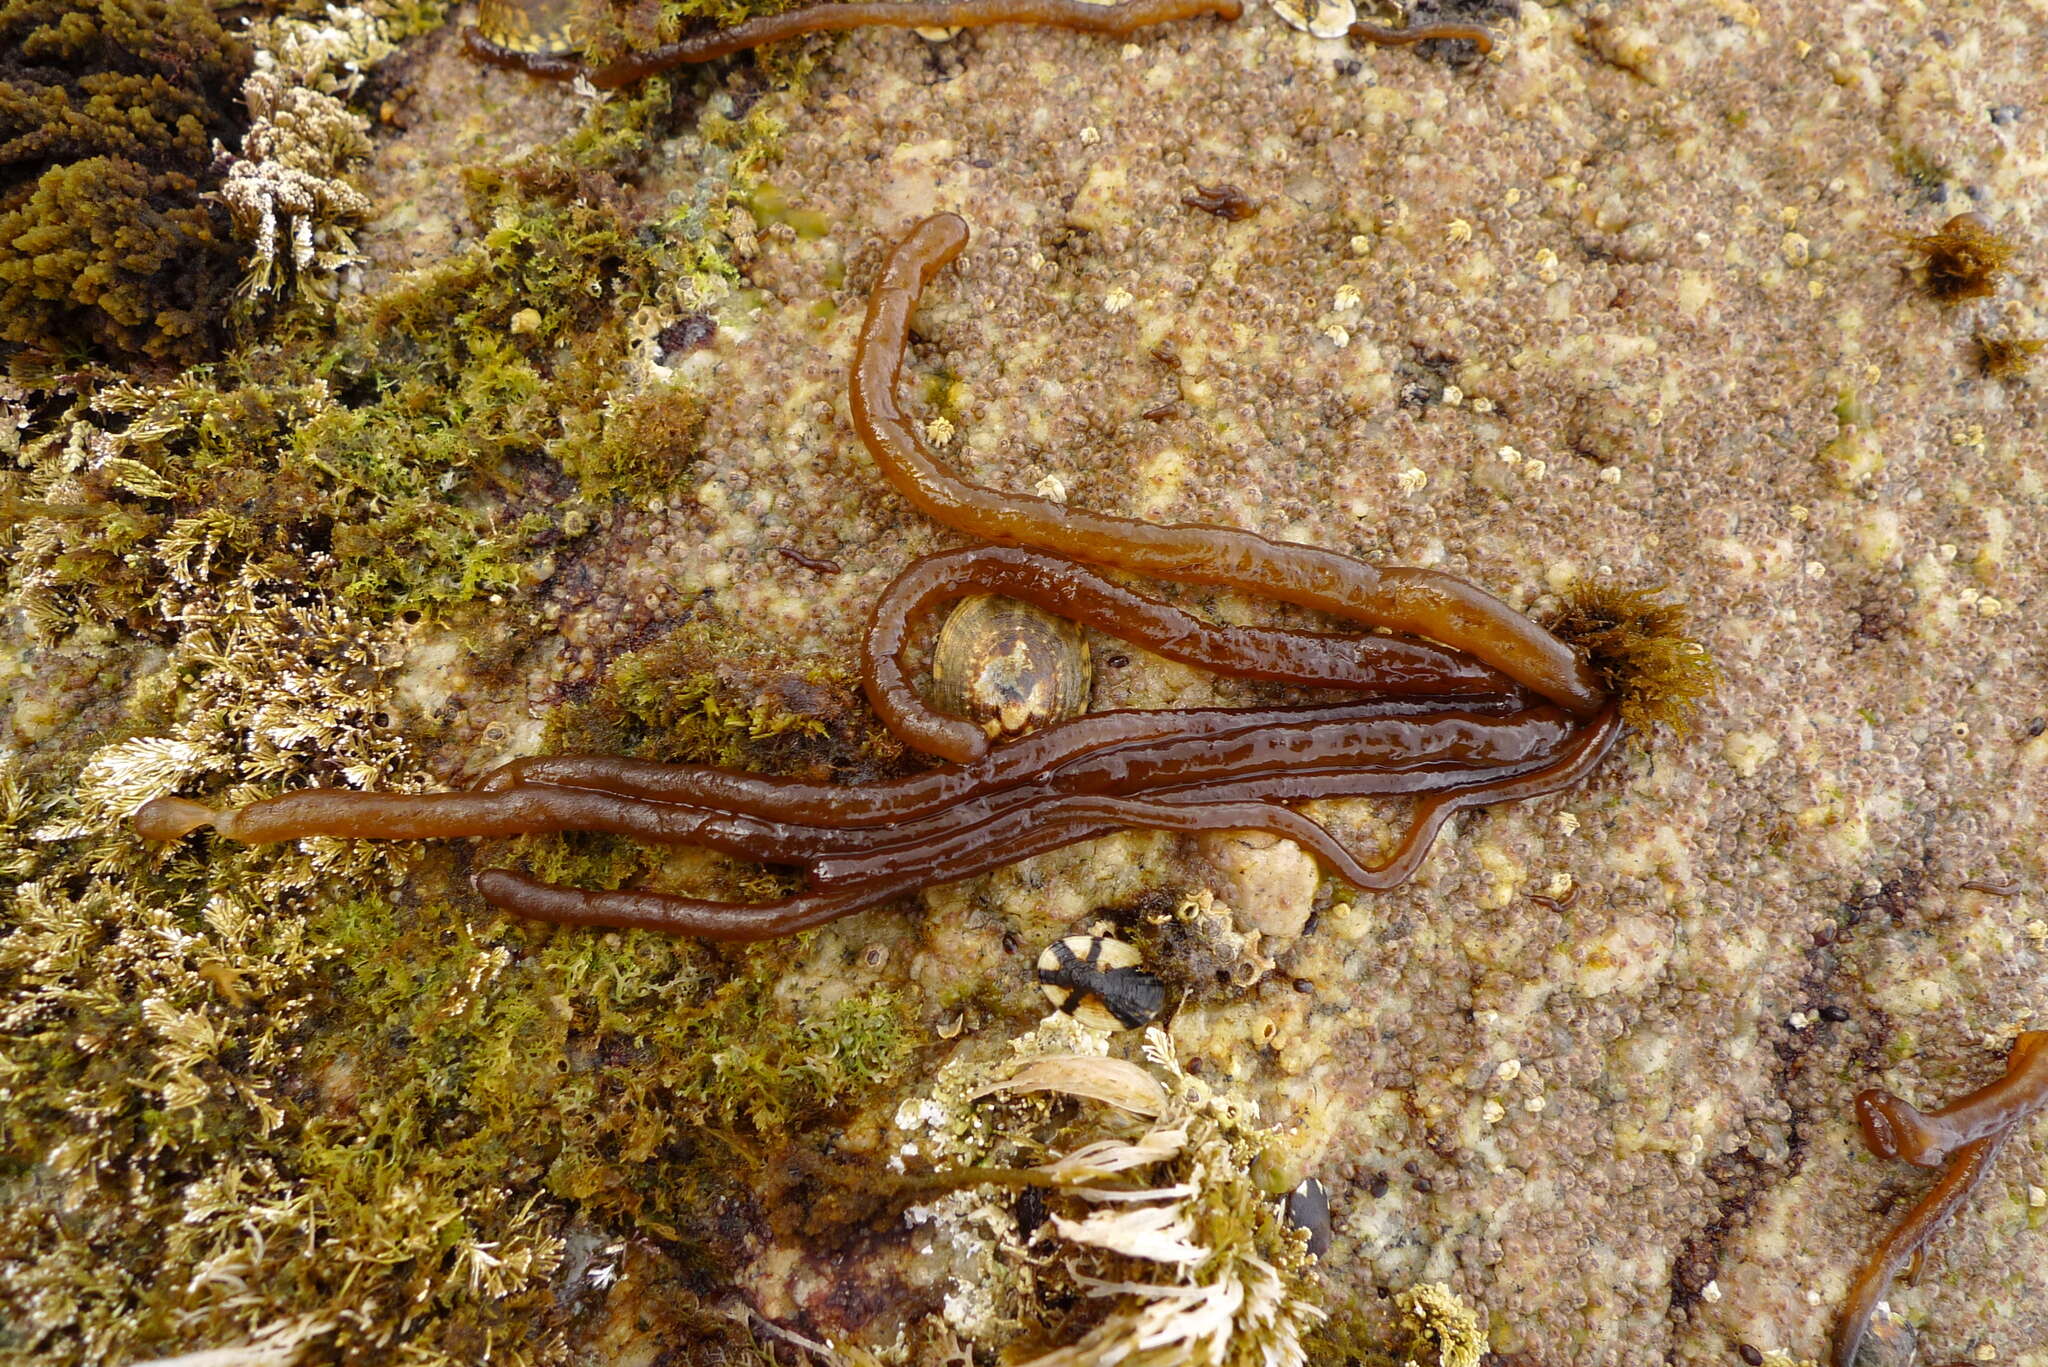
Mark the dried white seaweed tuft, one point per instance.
(1157, 1209)
(1230, 1291)
(1444, 1326)
(288, 192)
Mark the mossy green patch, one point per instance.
(709, 692)
(636, 1075)
(312, 1094)
(400, 459)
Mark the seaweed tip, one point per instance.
(1637, 644)
(1963, 259)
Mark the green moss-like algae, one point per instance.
(315, 1094)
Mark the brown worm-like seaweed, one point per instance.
(1452, 730)
(1966, 1135)
(1384, 664)
(1368, 754)
(1443, 794)
(1033, 832)
(1893, 1129)
(1117, 20)
(1415, 601)
(1101, 737)
(1965, 1171)
(1408, 37)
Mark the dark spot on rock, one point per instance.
(1224, 201)
(691, 332)
(1030, 1212)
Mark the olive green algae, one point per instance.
(305, 1097)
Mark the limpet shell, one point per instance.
(1098, 982)
(1009, 665)
(1324, 19)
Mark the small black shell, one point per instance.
(1308, 1205)
(1099, 981)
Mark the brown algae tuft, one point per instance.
(1962, 260)
(2006, 358)
(1637, 644)
(111, 245)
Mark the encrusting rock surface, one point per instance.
(1631, 301)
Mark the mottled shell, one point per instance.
(1008, 665)
(1099, 983)
(1888, 1342)
(1308, 1206)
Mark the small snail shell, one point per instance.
(1009, 665)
